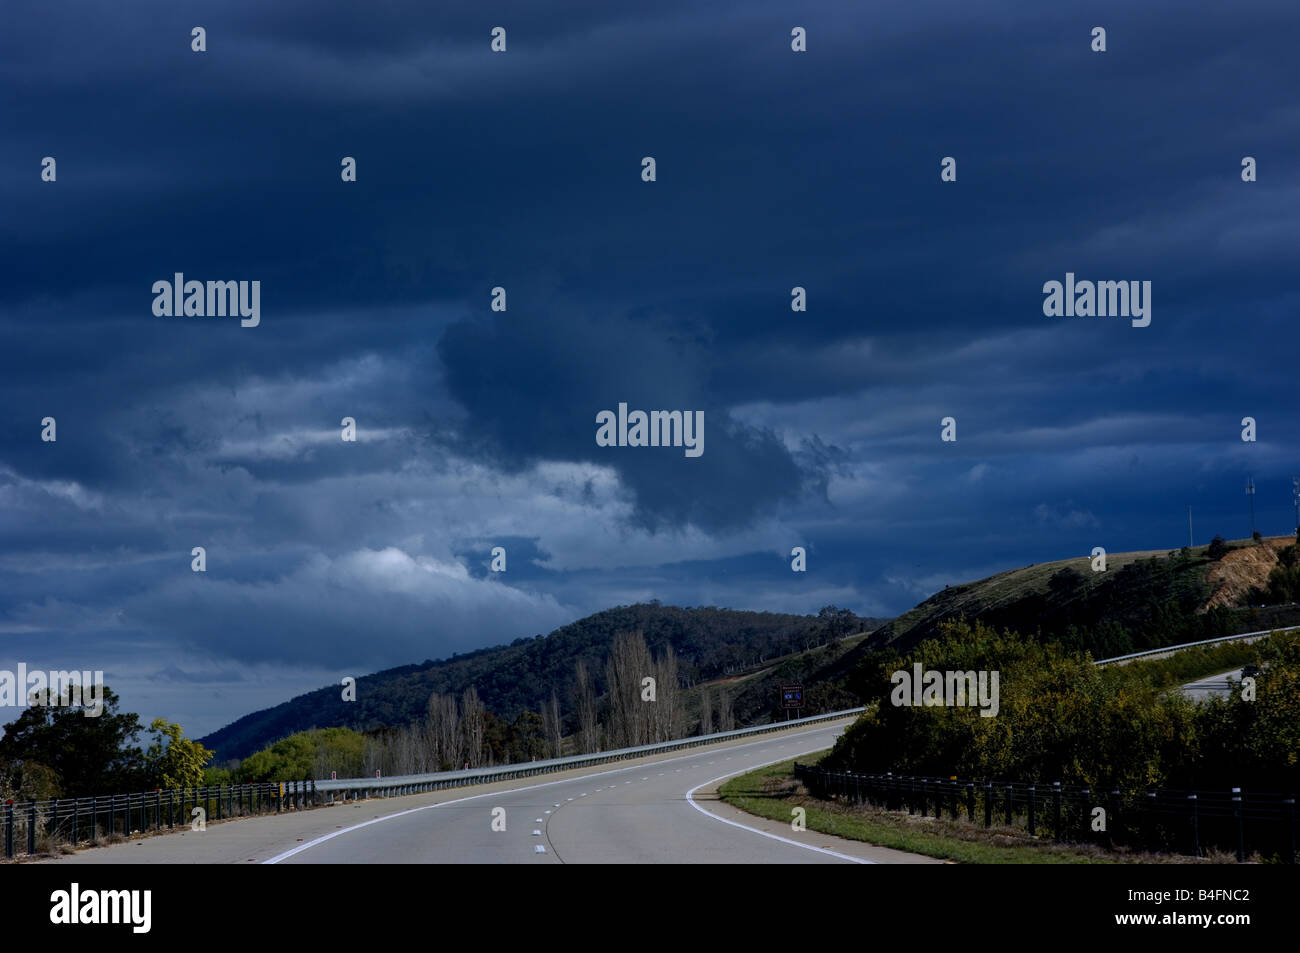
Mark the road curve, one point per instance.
(662, 809)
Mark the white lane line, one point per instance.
(755, 830)
(539, 849)
(539, 820)
(544, 812)
(537, 833)
(474, 797)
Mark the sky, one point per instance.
(476, 428)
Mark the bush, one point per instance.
(1060, 718)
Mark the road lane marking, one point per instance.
(755, 830)
(545, 784)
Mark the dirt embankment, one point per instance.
(1235, 574)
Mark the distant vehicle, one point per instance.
(1250, 671)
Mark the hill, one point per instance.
(709, 643)
(1142, 600)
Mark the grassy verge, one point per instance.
(772, 792)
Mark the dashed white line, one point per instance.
(473, 797)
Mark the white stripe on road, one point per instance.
(755, 830)
(474, 797)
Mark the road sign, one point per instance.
(791, 696)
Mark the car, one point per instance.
(1250, 671)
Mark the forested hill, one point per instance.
(1141, 600)
(511, 679)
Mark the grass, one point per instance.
(772, 792)
(1192, 664)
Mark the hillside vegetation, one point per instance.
(1061, 718)
(1142, 600)
(518, 678)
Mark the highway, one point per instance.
(1210, 685)
(655, 810)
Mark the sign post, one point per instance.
(791, 698)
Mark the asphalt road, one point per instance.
(654, 810)
(1211, 685)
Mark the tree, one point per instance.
(706, 711)
(588, 731)
(32, 782)
(528, 737)
(89, 755)
(444, 730)
(835, 623)
(665, 711)
(726, 711)
(553, 726)
(179, 763)
(1218, 548)
(629, 716)
(474, 721)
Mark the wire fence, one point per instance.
(40, 827)
(1190, 822)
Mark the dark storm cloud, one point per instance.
(570, 365)
(522, 170)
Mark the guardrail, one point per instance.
(77, 820)
(1187, 645)
(415, 783)
(1159, 820)
(41, 826)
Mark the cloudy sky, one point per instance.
(522, 169)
